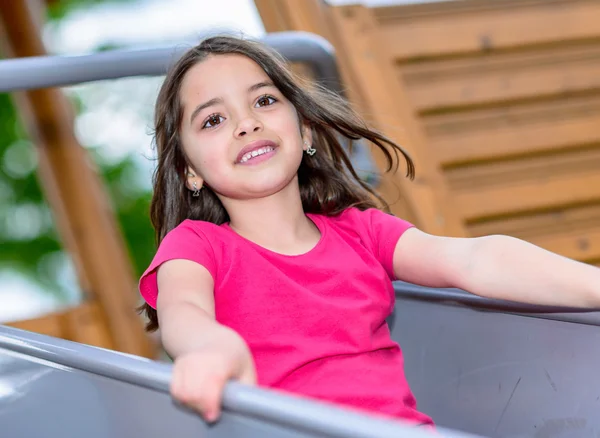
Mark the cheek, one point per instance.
(289, 126)
(206, 158)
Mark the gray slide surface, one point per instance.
(478, 367)
(53, 388)
(500, 369)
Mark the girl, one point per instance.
(275, 260)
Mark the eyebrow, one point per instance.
(218, 100)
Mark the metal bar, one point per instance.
(55, 71)
(566, 314)
(257, 403)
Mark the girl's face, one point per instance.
(240, 134)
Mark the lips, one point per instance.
(254, 149)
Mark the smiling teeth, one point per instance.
(255, 153)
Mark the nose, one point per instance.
(248, 125)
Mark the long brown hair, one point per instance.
(328, 181)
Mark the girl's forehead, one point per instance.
(223, 70)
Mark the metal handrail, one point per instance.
(458, 296)
(54, 71)
(289, 411)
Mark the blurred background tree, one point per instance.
(29, 243)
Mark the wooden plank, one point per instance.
(286, 15)
(388, 109)
(80, 205)
(420, 10)
(507, 199)
(576, 239)
(481, 29)
(572, 232)
(461, 138)
(582, 245)
(50, 325)
(532, 168)
(84, 324)
(537, 225)
(310, 16)
(502, 78)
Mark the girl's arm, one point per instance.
(207, 354)
(499, 267)
(186, 308)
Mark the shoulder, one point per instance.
(350, 216)
(374, 227)
(371, 219)
(195, 230)
(378, 232)
(197, 241)
(191, 226)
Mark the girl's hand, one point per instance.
(199, 377)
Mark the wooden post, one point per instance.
(373, 87)
(74, 191)
(309, 16)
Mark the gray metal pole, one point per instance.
(56, 71)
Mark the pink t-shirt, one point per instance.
(315, 323)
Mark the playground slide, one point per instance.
(56, 388)
(476, 366)
(500, 369)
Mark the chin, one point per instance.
(263, 190)
(258, 184)
(259, 188)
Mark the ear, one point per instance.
(307, 137)
(191, 178)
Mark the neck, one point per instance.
(277, 222)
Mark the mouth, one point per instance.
(255, 152)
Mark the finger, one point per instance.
(213, 397)
(186, 384)
(175, 386)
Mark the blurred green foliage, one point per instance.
(59, 8)
(29, 243)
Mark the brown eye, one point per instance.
(212, 121)
(266, 101)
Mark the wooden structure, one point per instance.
(497, 100)
(81, 208)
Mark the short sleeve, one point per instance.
(383, 231)
(184, 242)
